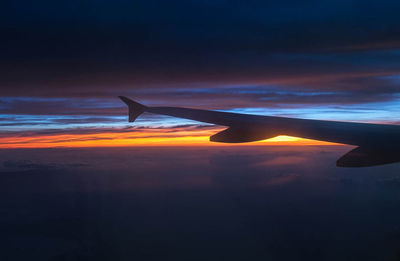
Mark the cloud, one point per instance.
(31, 165)
(354, 90)
(273, 212)
(279, 161)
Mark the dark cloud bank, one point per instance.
(101, 48)
(227, 203)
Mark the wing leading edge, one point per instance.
(377, 143)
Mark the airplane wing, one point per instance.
(376, 143)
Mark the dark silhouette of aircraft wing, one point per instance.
(376, 143)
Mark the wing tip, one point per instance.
(135, 108)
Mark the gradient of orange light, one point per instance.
(142, 138)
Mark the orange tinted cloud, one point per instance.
(150, 137)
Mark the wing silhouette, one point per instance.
(376, 143)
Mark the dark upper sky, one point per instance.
(57, 48)
(73, 57)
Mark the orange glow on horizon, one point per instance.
(141, 138)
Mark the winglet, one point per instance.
(135, 108)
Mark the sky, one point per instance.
(158, 189)
(63, 64)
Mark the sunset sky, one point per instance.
(63, 64)
(79, 182)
